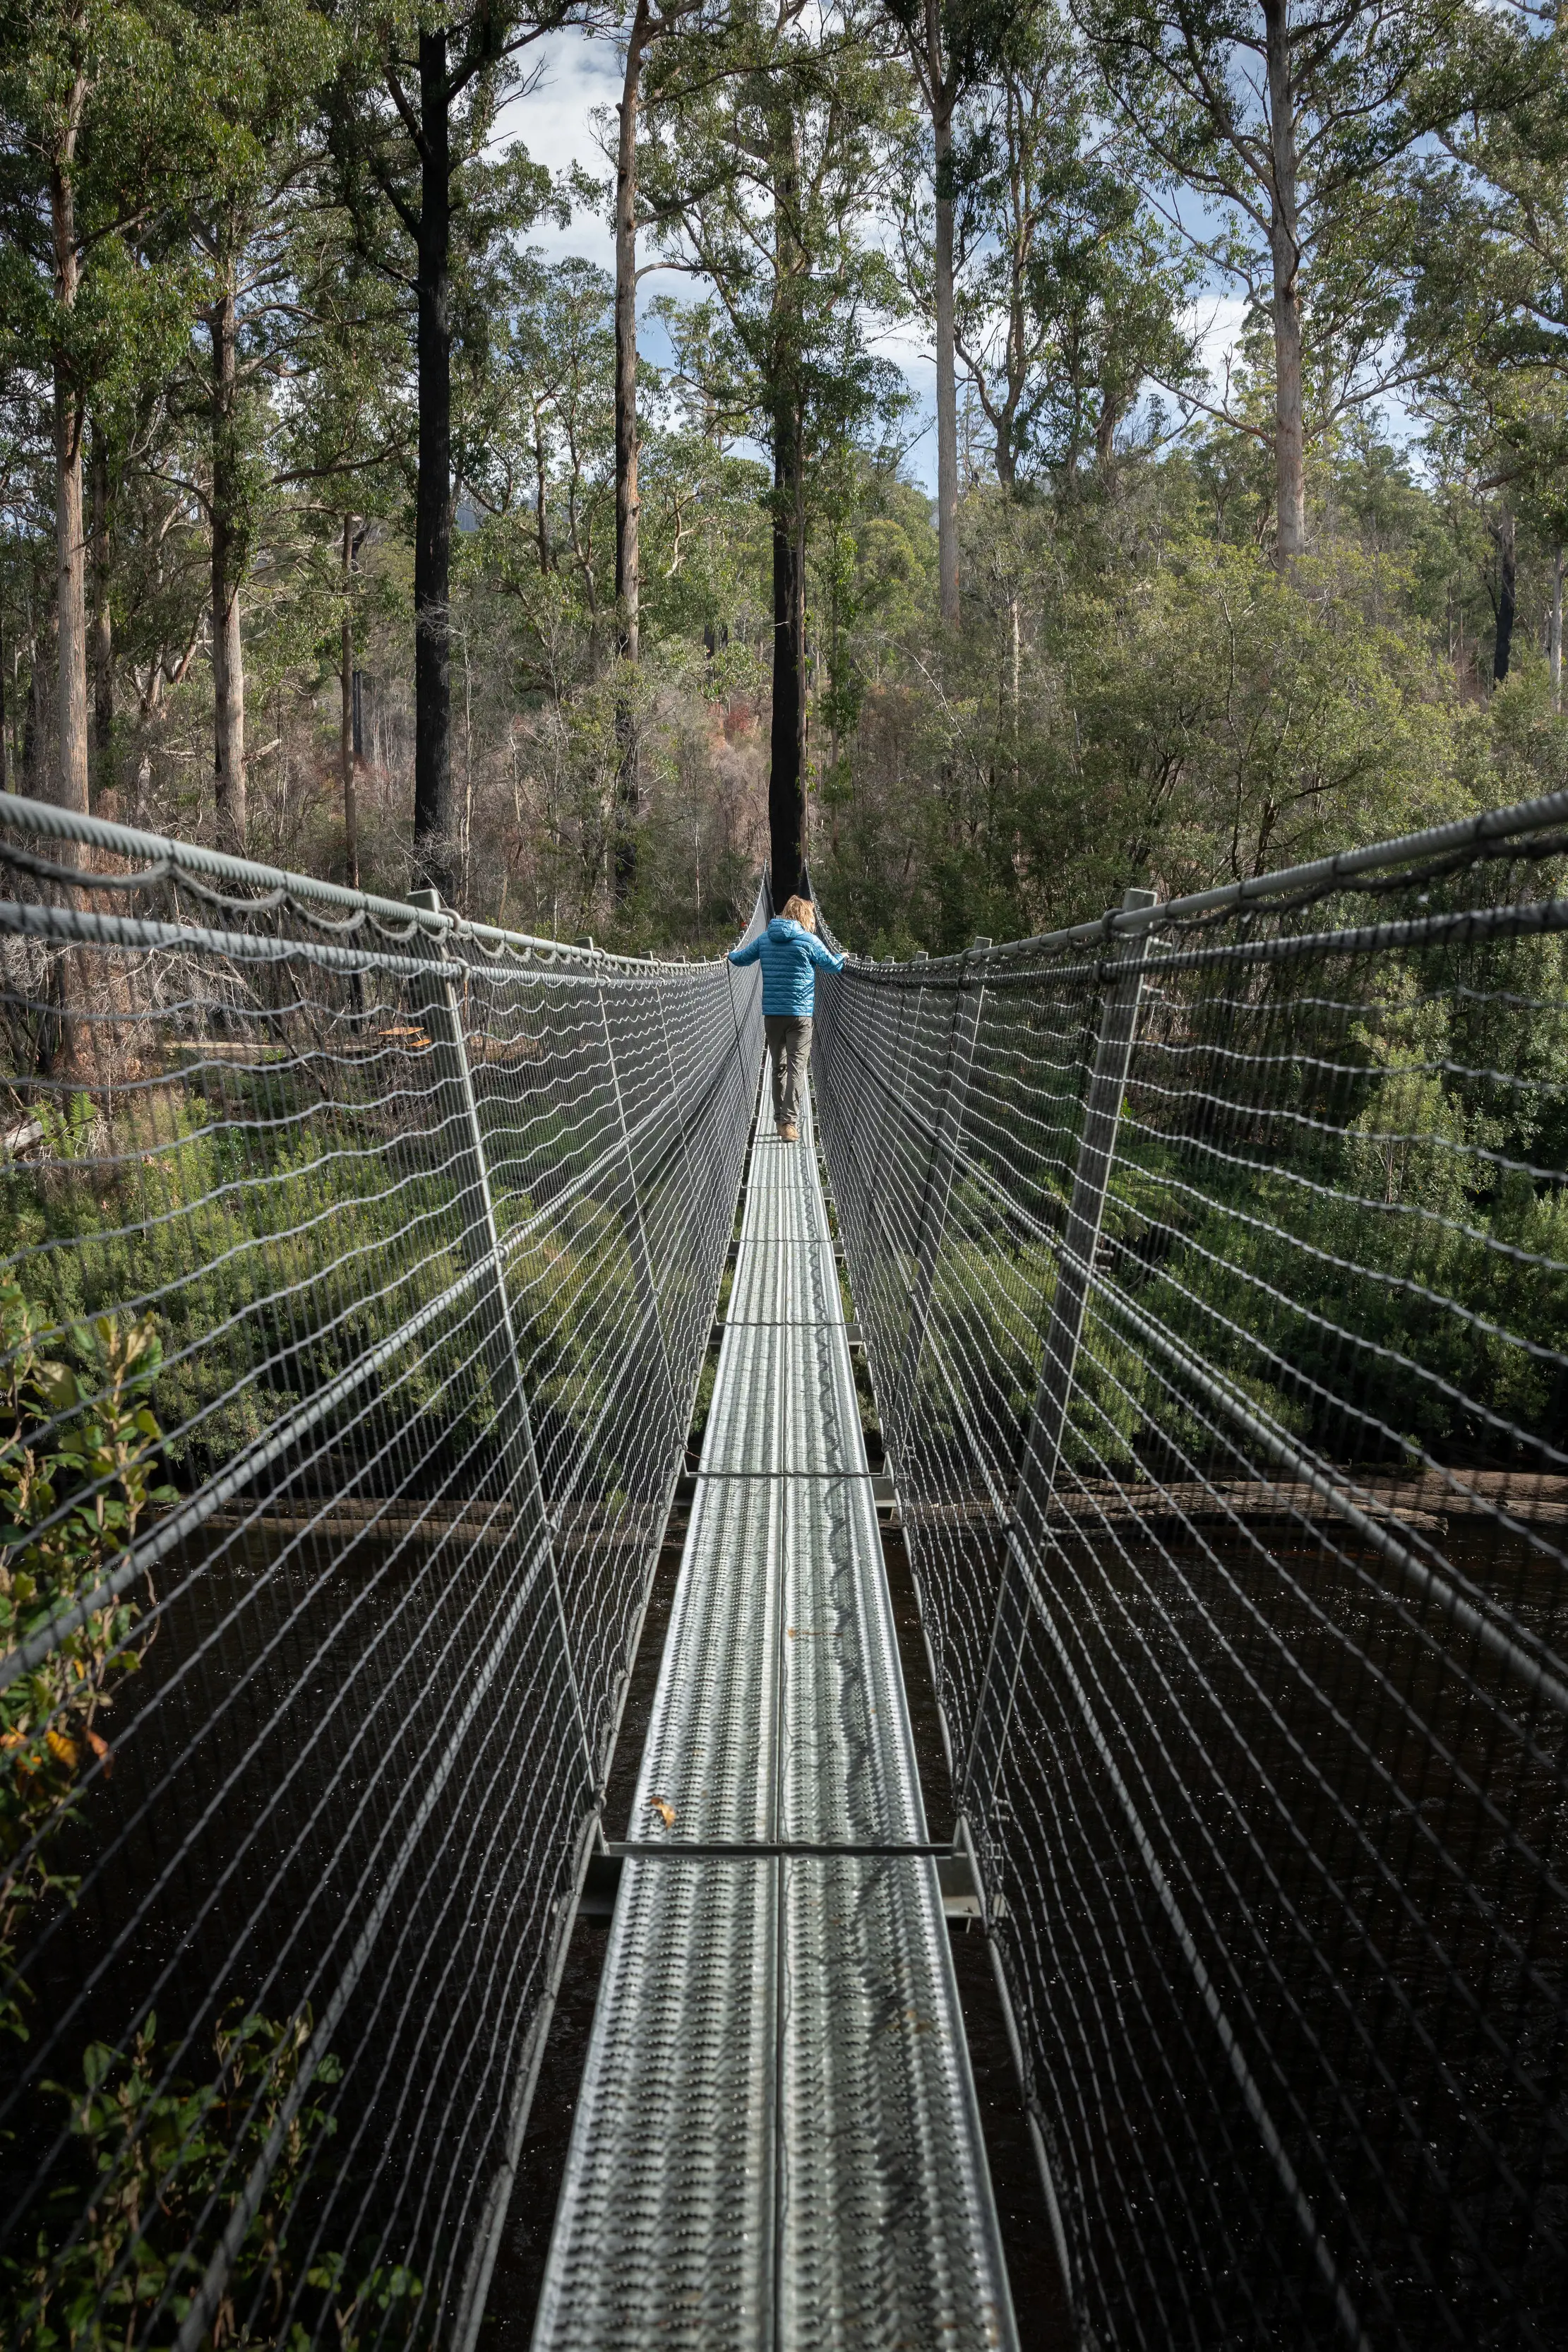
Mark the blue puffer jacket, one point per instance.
(789, 952)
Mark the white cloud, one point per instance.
(576, 73)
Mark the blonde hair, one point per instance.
(799, 910)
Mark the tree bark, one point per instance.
(787, 763)
(433, 846)
(227, 570)
(70, 549)
(1015, 627)
(1507, 593)
(787, 770)
(628, 505)
(1290, 447)
(1554, 629)
(345, 744)
(541, 496)
(941, 96)
(35, 726)
(102, 628)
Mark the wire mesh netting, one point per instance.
(358, 1271)
(1213, 1265)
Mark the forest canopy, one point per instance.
(345, 523)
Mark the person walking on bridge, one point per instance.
(789, 947)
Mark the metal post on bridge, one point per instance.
(636, 1230)
(442, 1017)
(1086, 1212)
(1047, 1429)
(962, 1037)
(877, 1219)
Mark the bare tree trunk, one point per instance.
(541, 494)
(102, 628)
(71, 594)
(787, 764)
(74, 973)
(1290, 447)
(466, 868)
(228, 571)
(35, 726)
(1507, 593)
(627, 503)
(433, 497)
(941, 96)
(1554, 629)
(345, 744)
(787, 767)
(628, 507)
(70, 547)
(1015, 629)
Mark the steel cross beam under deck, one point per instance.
(777, 2144)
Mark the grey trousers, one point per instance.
(788, 1051)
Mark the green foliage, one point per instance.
(77, 1470)
(77, 1467)
(1374, 1197)
(761, 172)
(1070, 292)
(162, 2160)
(94, 97)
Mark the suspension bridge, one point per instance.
(373, 1284)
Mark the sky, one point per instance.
(576, 74)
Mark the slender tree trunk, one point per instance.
(628, 505)
(1554, 629)
(71, 596)
(346, 743)
(228, 570)
(4, 733)
(70, 546)
(541, 493)
(946, 371)
(1289, 446)
(1015, 625)
(1507, 593)
(786, 765)
(468, 767)
(102, 628)
(433, 844)
(76, 972)
(787, 770)
(35, 726)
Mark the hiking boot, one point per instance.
(788, 1133)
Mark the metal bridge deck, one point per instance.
(777, 2143)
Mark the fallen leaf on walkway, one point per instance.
(666, 1812)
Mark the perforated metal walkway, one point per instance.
(777, 2143)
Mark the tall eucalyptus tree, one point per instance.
(96, 114)
(1490, 318)
(768, 150)
(1290, 118)
(415, 118)
(261, 63)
